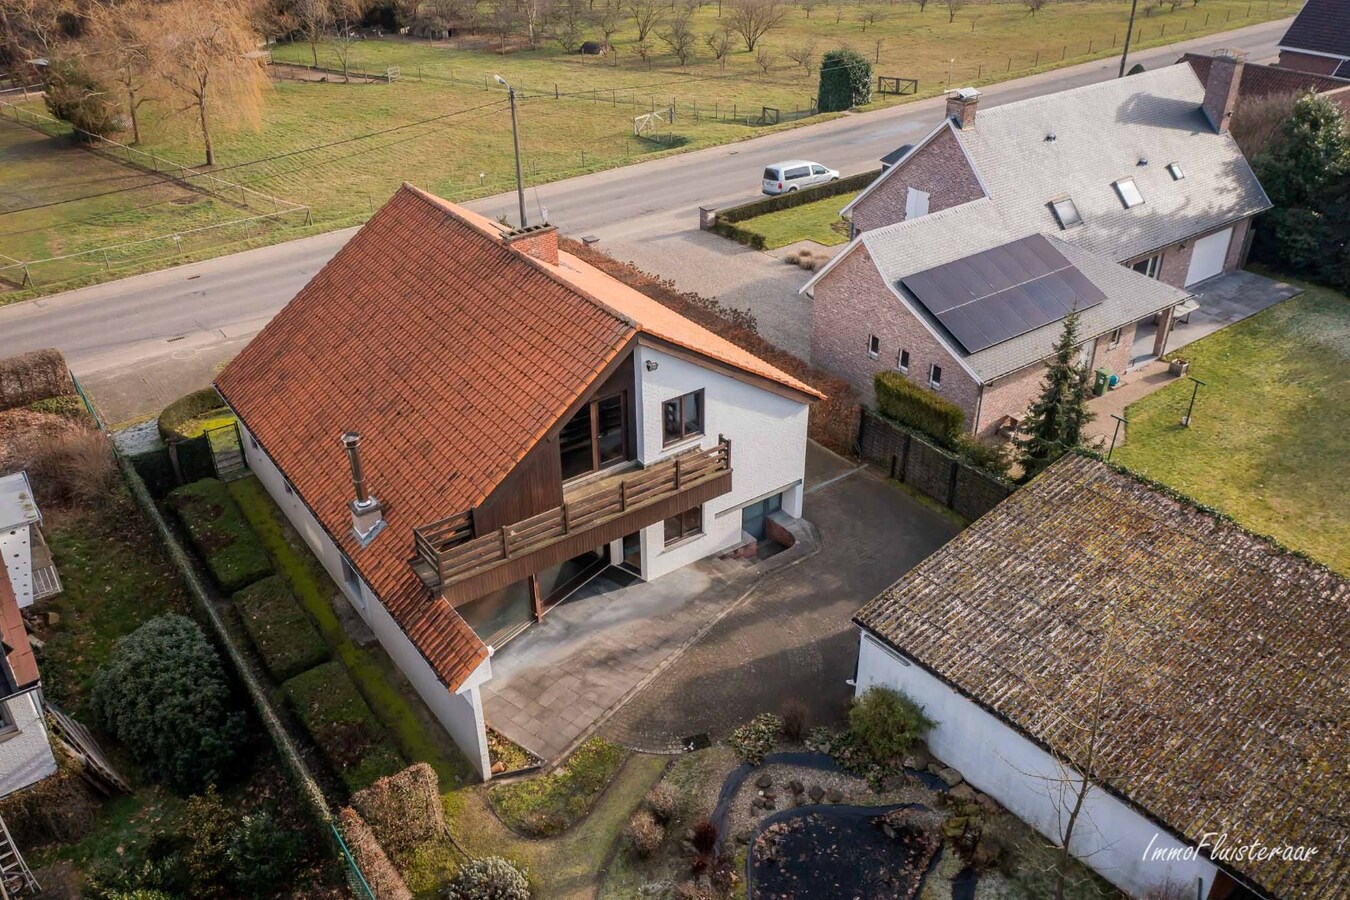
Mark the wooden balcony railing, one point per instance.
(446, 551)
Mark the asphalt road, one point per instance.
(163, 333)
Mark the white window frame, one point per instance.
(902, 361)
(1065, 222)
(1128, 192)
(935, 383)
(1154, 264)
(1113, 341)
(873, 346)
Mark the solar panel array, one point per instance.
(995, 295)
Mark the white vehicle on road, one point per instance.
(785, 177)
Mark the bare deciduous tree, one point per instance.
(803, 54)
(954, 7)
(207, 63)
(1034, 6)
(313, 20)
(1257, 120)
(922, 4)
(807, 6)
(569, 23)
(504, 21)
(870, 17)
(680, 39)
(644, 51)
(118, 56)
(646, 15)
(765, 58)
(610, 21)
(719, 42)
(752, 19)
(534, 12)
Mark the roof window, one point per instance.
(1066, 212)
(1175, 170)
(1129, 193)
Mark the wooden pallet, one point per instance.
(81, 744)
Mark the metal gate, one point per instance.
(227, 451)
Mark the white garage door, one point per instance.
(1207, 256)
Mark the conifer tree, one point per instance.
(1054, 424)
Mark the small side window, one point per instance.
(873, 346)
(902, 361)
(817, 170)
(800, 172)
(935, 377)
(1114, 341)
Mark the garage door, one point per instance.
(1207, 256)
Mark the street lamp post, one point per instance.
(515, 139)
(1129, 31)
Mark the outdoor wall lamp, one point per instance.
(652, 365)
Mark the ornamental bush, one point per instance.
(753, 740)
(845, 80)
(887, 722)
(643, 833)
(404, 810)
(262, 854)
(663, 801)
(489, 878)
(164, 695)
(908, 403)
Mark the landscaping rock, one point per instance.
(795, 786)
(918, 759)
(764, 781)
(816, 793)
(745, 835)
(964, 793)
(768, 802)
(498, 767)
(53, 618)
(935, 767)
(834, 795)
(950, 776)
(799, 799)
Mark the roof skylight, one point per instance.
(1175, 170)
(1129, 193)
(1066, 212)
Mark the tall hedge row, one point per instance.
(901, 399)
(845, 80)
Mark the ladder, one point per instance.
(15, 878)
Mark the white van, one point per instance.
(783, 177)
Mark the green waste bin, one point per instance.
(1103, 380)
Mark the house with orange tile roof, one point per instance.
(25, 745)
(466, 424)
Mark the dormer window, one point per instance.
(1129, 193)
(1175, 170)
(1066, 213)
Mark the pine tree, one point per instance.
(1054, 424)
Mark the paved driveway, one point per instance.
(792, 637)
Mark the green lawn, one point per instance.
(550, 804)
(818, 221)
(316, 143)
(1268, 443)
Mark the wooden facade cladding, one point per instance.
(449, 558)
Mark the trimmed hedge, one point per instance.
(845, 80)
(905, 401)
(184, 410)
(327, 703)
(33, 376)
(285, 637)
(234, 555)
(845, 185)
(156, 470)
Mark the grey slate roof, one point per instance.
(1322, 26)
(1225, 659)
(1101, 133)
(908, 247)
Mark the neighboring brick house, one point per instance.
(1134, 184)
(1319, 39)
(467, 424)
(1221, 664)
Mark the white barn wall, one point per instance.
(768, 449)
(459, 712)
(1110, 836)
(25, 749)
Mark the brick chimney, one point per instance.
(1221, 90)
(367, 513)
(539, 241)
(961, 107)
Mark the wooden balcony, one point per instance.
(449, 558)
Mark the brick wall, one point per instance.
(851, 303)
(1008, 396)
(1176, 258)
(1307, 62)
(938, 168)
(541, 244)
(1115, 360)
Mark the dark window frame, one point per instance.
(667, 439)
(592, 412)
(873, 346)
(689, 524)
(902, 361)
(935, 382)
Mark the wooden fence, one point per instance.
(909, 457)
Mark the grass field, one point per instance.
(342, 149)
(1268, 443)
(819, 222)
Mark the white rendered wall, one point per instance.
(16, 549)
(459, 712)
(768, 450)
(25, 750)
(1110, 836)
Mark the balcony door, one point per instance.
(596, 437)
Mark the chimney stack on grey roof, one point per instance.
(1221, 90)
(961, 107)
(367, 513)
